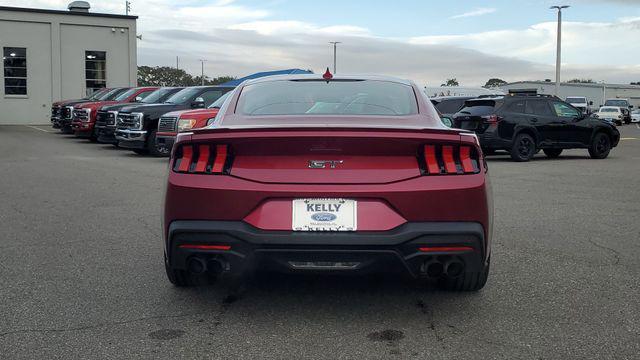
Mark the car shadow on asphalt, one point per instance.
(344, 293)
(507, 158)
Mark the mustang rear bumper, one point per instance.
(407, 248)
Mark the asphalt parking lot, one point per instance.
(81, 272)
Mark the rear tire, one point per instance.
(523, 149)
(552, 153)
(600, 146)
(179, 278)
(468, 281)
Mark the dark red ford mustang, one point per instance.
(312, 173)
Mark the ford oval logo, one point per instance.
(323, 217)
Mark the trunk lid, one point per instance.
(322, 156)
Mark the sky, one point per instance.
(423, 40)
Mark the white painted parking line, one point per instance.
(33, 127)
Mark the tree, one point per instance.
(451, 82)
(494, 82)
(169, 76)
(163, 76)
(212, 81)
(581, 81)
(634, 83)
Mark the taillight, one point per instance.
(449, 160)
(202, 159)
(491, 119)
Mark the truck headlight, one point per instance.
(88, 112)
(186, 124)
(137, 120)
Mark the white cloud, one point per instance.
(476, 12)
(607, 43)
(294, 27)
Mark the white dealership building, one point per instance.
(595, 92)
(50, 55)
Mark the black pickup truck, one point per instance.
(107, 115)
(136, 126)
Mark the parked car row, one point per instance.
(130, 117)
(523, 124)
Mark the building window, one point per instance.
(15, 70)
(95, 70)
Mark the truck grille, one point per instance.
(126, 121)
(80, 114)
(167, 124)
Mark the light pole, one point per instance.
(604, 92)
(202, 61)
(559, 44)
(335, 43)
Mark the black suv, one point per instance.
(449, 105)
(136, 126)
(107, 115)
(524, 124)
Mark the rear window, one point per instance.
(450, 106)
(604, 110)
(622, 103)
(478, 107)
(337, 97)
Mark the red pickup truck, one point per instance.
(173, 122)
(84, 115)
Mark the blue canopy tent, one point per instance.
(237, 82)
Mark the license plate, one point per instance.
(324, 215)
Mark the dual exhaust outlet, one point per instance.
(435, 268)
(216, 266)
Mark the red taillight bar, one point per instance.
(197, 158)
(203, 158)
(205, 247)
(221, 158)
(447, 156)
(445, 248)
(185, 160)
(430, 158)
(465, 159)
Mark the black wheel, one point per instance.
(467, 281)
(179, 278)
(153, 148)
(523, 149)
(552, 153)
(600, 147)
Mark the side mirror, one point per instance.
(138, 98)
(198, 103)
(447, 121)
(590, 103)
